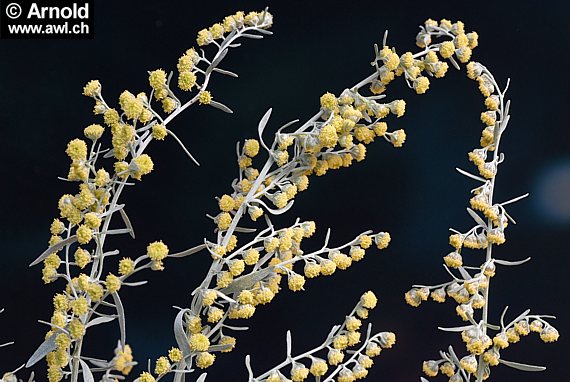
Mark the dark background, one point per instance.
(414, 192)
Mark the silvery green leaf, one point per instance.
(253, 36)
(218, 59)
(98, 362)
(226, 72)
(469, 175)
(248, 367)
(181, 144)
(247, 281)
(511, 263)
(179, 333)
(464, 273)
(221, 106)
(522, 366)
(289, 345)
(189, 252)
(127, 222)
(455, 329)
(245, 230)
(514, 200)
(112, 210)
(491, 326)
(202, 377)
(46, 347)
(100, 320)
(119, 231)
(121, 315)
(264, 31)
(453, 355)
(423, 379)
(237, 328)
(214, 348)
(135, 283)
(454, 63)
(274, 211)
(262, 125)
(476, 217)
(87, 375)
(54, 248)
(522, 315)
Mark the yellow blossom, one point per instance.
(159, 132)
(296, 282)
(205, 98)
(126, 266)
(157, 251)
(199, 342)
(92, 89)
(93, 131)
(187, 80)
(205, 360)
(447, 49)
(77, 150)
(175, 355)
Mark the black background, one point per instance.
(413, 192)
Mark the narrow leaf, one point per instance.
(469, 175)
(253, 36)
(218, 59)
(455, 329)
(262, 125)
(100, 320)
(189, 252)
(121, 315)
(247, 281)
(226, 72)
(87, 374)
(179, 333)
(54, 248)
(46, 347)
(127, 222)
(522, 366)
(221, 106)
(511, 263)
(476, 217)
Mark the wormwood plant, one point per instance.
(249, 265)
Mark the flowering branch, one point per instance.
(470, 287)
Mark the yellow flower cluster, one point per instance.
(239, 20)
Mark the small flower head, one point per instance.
(199, 342)
(93, 131)
(126, 266)
(175, 355)
(159, 132)
(205, 97)
(296, 282)
(335, 357)
(77, 150)
(368, 300)
(186, 80)
(157, 79)
(92, 89)
(141, 165)
(549, 334)
(162, 366)
(318, 368)
(251, 147)
(398, 137)
(299, 372)
(157, 251)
